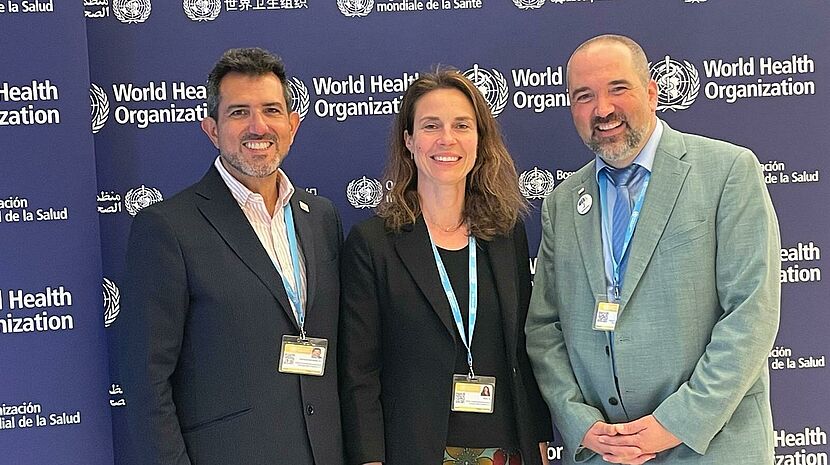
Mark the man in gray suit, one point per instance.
(227, 345)
(656, 297)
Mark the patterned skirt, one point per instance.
(490, 456)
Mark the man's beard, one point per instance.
(617, 150)
(262, 171)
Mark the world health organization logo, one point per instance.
(141, 197)
(536, 183)
(131, 11)
(364, 193)
(355, 8)
(202, 10)
(299, 97)
(529, 4)
(112, 302)
(492, 85)
(677, 84)
(100, 107)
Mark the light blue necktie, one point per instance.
(621, 214)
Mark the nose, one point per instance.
(256, 123)
(604, 106)
(447, 137)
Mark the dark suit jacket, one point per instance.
(398, 345)
(199, 337)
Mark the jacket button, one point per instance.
(309, 409)
(607, 351)
(612, 401)
(515, 372)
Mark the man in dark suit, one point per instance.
(232, 284)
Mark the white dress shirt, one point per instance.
(270, 229)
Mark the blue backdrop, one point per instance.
(132, 73)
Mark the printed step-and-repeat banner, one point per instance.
(54, 407)
(754, 73)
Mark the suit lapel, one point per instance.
(305, 239)
(589, 229)
(415, 251)
(667, 178)
(223, 213)
(502, 256)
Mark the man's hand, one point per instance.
(645, 434)
(600, 439)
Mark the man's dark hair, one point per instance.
(248, 61)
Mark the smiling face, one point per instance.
(612, 107)
(254, 128)
(444, 139)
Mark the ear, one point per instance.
(294, 121)
(210, 128)
(652, 95)
(407, 140)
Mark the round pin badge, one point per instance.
(584, 204)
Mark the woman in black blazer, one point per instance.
(420, 383)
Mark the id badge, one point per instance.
(303, 356)
(605, 314)
(473, 395)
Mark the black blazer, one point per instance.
(198, 339)
(398, 345)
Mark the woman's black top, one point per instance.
(497, 429)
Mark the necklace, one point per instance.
(445, 228)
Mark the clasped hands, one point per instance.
(632, 443)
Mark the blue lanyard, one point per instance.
(293, 294)
(629, 231)
(473, 300)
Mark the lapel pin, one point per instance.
(583, 205)
(304, 206)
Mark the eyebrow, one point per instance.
(458, 118)
(244, 105)
(580, 89)
(610, 83)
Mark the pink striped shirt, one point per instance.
(270, 230)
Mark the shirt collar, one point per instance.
(646, 156)
(244, 196)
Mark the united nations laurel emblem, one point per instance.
(529, 4)
(112, 302)
(131, 11)
(100, 107)
(202, 10)
(299, 97)
(492, 85)
(364, 192)
(141, 197)
(353, 8)
(677, 84)
(536, 183)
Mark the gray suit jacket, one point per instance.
(198, 341)
(699, 307)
